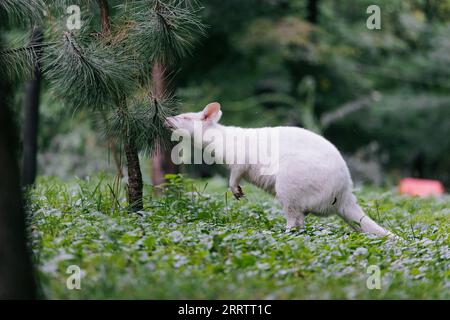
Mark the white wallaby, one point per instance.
(310, 177)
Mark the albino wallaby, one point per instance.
(311, 175)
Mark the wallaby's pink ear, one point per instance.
(212, 112)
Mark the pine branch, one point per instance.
(21, 12)
(61, 5)
(17, 62)
(191, 4)
(20, 60)
(87, 74)
(164, 31)
(142, 122)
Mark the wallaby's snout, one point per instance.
(170, 122)
(209, 116)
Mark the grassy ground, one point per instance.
(197, 242)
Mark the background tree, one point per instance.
(16, 274)
(31, 121)
(313, 11)
(161, 163)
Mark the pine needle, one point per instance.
(164, 31)
(87, 73)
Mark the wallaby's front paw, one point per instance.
(237, 192)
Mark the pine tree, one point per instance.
(105, 67)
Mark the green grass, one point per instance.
(196, 242)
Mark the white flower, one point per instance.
(360, 251)
(176, 236)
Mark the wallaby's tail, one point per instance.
(352, 213)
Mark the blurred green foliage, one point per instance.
(268, 65)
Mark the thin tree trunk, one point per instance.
(104, 17)
(30, 128)
(161, 161)
(135, 184)
(313, 11)
(429, 9)
(161, 165)
(16, 274)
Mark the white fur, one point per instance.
(312, 176)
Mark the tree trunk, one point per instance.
(30, 128)
(16, 274)
(104, 17)
(313, 11)
(429, 10)
(161, 161)
(161, 165)
(135, 185)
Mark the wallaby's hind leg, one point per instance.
(352, 213)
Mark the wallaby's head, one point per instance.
(208, 117)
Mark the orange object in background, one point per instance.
(421, 187)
